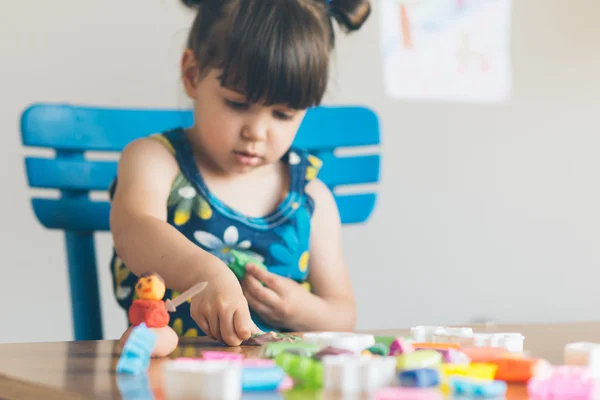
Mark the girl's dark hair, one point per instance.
(274, 51)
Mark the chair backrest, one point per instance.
(73, 132)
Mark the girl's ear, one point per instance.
(189, 73)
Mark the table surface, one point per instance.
(83, 370)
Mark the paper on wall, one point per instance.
(448, 50)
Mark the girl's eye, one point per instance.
(282, 115)
(237, 105)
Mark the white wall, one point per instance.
(483, 207)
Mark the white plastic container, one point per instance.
(358, 374)
(584, 354)
(203, 379)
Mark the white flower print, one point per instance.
(222, 248)
(294, 158)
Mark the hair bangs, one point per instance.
(277, 54)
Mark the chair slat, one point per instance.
(67, 174)
(84, 215)
(65, 127)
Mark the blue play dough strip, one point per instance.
(262, 379)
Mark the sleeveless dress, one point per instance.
(279, 240)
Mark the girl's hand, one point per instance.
(277, 301)
(221, 310)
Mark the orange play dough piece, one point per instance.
(484, 354)
(515, 369)
(436, 346)
(166, 340)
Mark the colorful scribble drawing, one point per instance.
(450, 50)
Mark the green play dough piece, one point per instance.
(240, 260)
(385, 340)
(379, 349)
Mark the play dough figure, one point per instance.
(150, 309)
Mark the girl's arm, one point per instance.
(332, 307)
(284, 303)
(146, 242)
(142, 238)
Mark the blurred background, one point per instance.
(486, 211)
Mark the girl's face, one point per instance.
(237, 136)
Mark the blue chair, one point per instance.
(73, 131)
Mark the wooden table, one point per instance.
(84, 370)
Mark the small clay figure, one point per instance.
(149, 306)
(150, 309)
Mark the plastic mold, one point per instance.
(355, 343)
(423, 333)
(461, 336)
(583, 354)
(423, 377)
(358, 374)
(214, 379)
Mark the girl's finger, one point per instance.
(213, 323)
(264, 276)
(243, 324)
(203, 325)
(262, 309)
(228, 332)
(262, 293)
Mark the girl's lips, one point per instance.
(246, 158)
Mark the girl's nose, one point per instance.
(255, 132)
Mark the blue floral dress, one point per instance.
(280, 240)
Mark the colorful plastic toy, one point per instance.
(583, 354)
(306, 372)
(240, 260)
(136, 353)
(399, 347)
(464, 386)
(357, 374)
(419, 359)
(423, 377)
(215, 379)
(355, 343)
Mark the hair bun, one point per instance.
(350, 14)
(192, 3)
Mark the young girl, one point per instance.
(187, 197)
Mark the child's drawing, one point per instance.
(449, 50)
